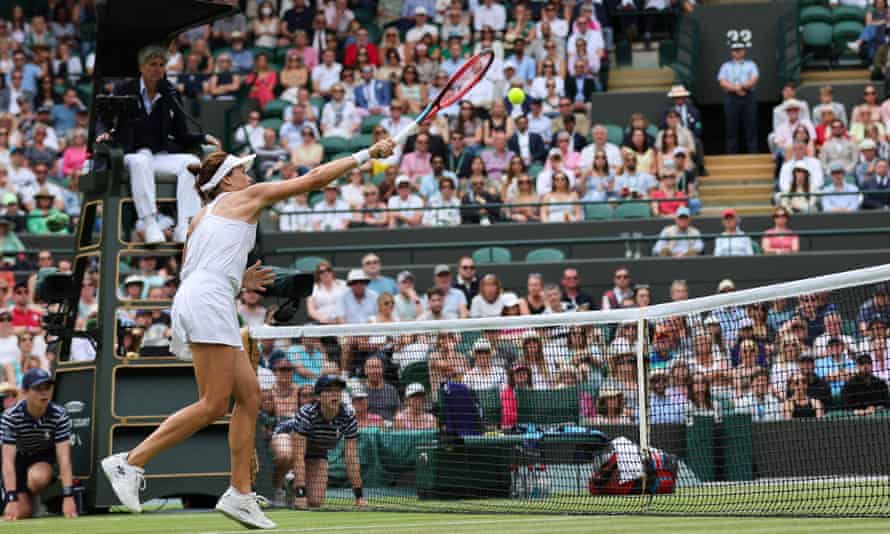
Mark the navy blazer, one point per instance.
(535, 146)
(382, 92)
(693, 119)
(174, 131)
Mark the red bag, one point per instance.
(608, 478)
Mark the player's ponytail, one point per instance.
(204, 173)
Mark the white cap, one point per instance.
(420, 10)
(357, 275)
(228, 165)
(724, 284)
(414, 389)
(746, 323)
(402, 180)
(481, 345)
(509, 299)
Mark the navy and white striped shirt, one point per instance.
(321, 435)
(34, 436)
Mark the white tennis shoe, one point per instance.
(244, 509)
(126, 480)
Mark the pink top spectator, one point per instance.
(73, 158)
(669, 207)
(779, 242)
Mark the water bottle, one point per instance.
(535, 482)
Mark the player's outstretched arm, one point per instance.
(354, 470)
(267, 194)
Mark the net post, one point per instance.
(642, 401)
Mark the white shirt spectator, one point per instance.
(786, 174)
(442, 217)
(494, 15)
(407, 206)
(339, 119)
(768, 408)
(784, 134)
(544, 181)
(639, 182)
(613, 155)
(394, 127)
(539, 87)
(298, 219)
(331, 221)
(325, 300)
(253, 135)
(678, 247)
(594, 44)
(416, 33)
(820, 344)
(735, 244)
(558, 28)
(323, 77)
(541, 125)
(478, 380)
(482, 94)
(451, 307)
(482, 308)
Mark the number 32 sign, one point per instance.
(742, 35)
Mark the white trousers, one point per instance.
(143, 165)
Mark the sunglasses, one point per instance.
(322, 271)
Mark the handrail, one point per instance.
(582, 203)
(627, 239)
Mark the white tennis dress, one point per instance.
(204, 306)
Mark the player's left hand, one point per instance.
(256, 277)
(11, 513)
(382, 149)
(69, 508)
(361, 502)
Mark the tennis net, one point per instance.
(768, 401)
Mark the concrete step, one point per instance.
(839, 75)
(737, 159)
(735, 189)
(733, 199)
(740, 179)
(756, 167)
(737, 175)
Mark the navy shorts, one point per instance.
(23, 463)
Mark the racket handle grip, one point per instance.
(405, 133)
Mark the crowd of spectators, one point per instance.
(828, 160)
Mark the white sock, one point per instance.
(235, 492)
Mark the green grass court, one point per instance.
(406, 523)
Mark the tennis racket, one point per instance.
(458, 85)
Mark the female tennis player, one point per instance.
(205, 322)
(307, 438)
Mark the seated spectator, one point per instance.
(669, 140)
(455, 299)
(326, 74)
(262, 81)
(561, 204)
(75, 153)
(597, 182)
(732, 241)
(372, 95)
(555, 164)
(581, 83)
(532, 356)
(294, 75)
(663, 409)
(877, 187)
(864, 392)
(548, 74)
(600, 144)
(446, 204)
(9, 242)
(622, 289)
(799, 404)
(295, 214)
(357, 304)
(780, 239)
(271, 155)
(44, 211)
(445, 363)
(569, 123)
(339, 117)
(484, 376)
(361, 43)
(862, 122)
(762, 405)
(378, 282)
(840, 196)
(225, 83)
(826, 101)
(875, 308)
(373, 213)
(784, 132)
(326, 291)
(838, 147)
(488, 302)
(800, 196)
(799, 154)
(835, 367)
(251, 134)
(700, 402)
(866, 162)
(573, 298)
(571, 160)
(309, 153)
(291, 131)
(474, 209)
(422, 26)
(533, 303)
(408, 306)
(410, 91)
(666, 199)
(406, 205)
(518, 376)
(497, 160)
(281, 399)
(686, 240)
(633, 182)
(435, 301)
(332, 213)
(416, 164)
(877, 345)
(610, 409)
(528, 209)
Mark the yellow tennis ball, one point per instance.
(516, 96)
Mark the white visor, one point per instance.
(230, 163)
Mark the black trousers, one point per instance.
(741, 122)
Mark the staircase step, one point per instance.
(640, 74)
(708, 189)
(637, 88)
(822, 76)
(749, 209)
(723, 166)
(741, 175)
(733, 199)
(737, 159)
(712, 179)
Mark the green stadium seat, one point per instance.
(535, 169)
(281, 55)
(652, 130)
(615, 134)
(369, 122)
(333, 144)
(275, 109)
(844, 32)
(398, 448)
(849, 327)
(307, 264)
(545, 254)
(364, 15)
(851, 13)
(632, 210)
(378, 178)
(339, 155)
(415, 372)
(369, 457)
(492, 255)
(360, 142)
(814, 14)
(805, 3)
(274, 124)
(490, 402)
(269, 52)
(317, 103)
(755, 246)
(548, 406)
(816, 34)
(597, 212)
(217, 53)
